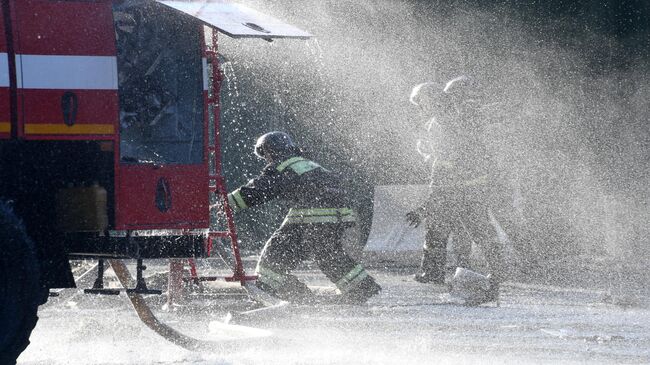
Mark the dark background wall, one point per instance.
(570, 78)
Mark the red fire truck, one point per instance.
(109, 140)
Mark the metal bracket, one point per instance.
(140, 284)
(98, 286)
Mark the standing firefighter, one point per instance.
(314, 224)
(465, 182)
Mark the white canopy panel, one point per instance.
(236, 20)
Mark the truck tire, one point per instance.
(20, 291)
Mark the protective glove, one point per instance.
(413, 218)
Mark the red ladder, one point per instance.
(217, 182)
(217, 185)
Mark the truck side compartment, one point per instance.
(33, 173)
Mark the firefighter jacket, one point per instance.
(314, 193)
(463, 166)
(464, 161)
(461, 150)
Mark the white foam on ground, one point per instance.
(407, 323)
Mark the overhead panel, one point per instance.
(236, 20)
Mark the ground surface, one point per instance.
(407, 324)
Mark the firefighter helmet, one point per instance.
(463, 89)
(425, 93)
(275, 144)
(458, 103)
(442, 100)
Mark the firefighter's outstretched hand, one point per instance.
(413, 218)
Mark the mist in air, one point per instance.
(564, 92)
(569, 94)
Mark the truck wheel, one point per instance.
(20, 292)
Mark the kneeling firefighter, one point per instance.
(314, 224)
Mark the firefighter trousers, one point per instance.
(463, 215)
(293, 243)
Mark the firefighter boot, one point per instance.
(487, 296)
(492, 294)
(360, 293)
(432, 267)
(292, 290)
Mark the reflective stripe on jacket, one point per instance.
(314, 193)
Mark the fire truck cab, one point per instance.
(109, 126)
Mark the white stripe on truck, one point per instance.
(4, 70)
(206, 70)
(67, 72)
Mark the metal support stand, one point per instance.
(98, 286)
(175, 287)
(140, 284)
